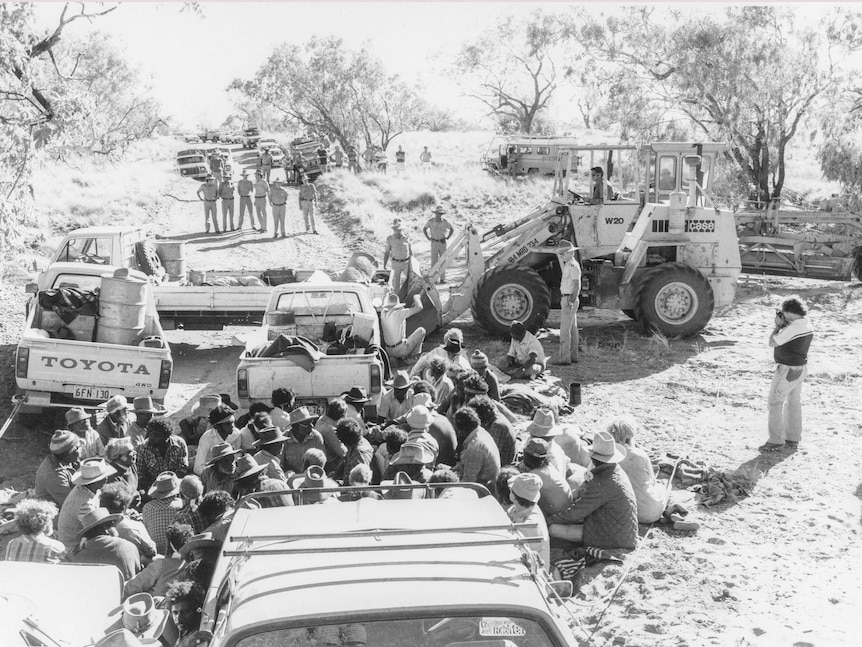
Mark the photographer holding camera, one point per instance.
(791, 339)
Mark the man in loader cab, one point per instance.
(601, 188)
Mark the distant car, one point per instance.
(192, 163)
(263, 144)
(277, 156)
(192, 139)
(250, 137)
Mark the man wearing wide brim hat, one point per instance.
(200, 546)
(419, 420)
(315, 478)
(393, 328)
(301, 437)
(356, 399)
(398, 400)
(116, 423)
(83, 498)
(270, 446)
(144, 409)
(220, 472)
(402, 478)
(245, 189)
(138, 614)
(78, 422)
(222, 430)
(54, 475)
(397, 248)
(251, 478)
(103, 546)
(570, 290)
(438, 231)
(544, 425)
(160, 511)
(605, 514)
(415, 459)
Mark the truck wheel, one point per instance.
(508, 293)
(148, 260)
(675, 300)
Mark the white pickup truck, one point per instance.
(55, 372)
(314, 315)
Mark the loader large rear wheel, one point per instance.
(511, 293)
(675, 300)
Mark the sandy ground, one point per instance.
(780, 567)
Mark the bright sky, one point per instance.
(193, 58)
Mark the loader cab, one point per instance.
(672, 166)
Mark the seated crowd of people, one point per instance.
(155, 499)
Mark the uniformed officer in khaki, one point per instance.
(266, 164)
(438, 230)
(208, 192)
(278, 200)
(245, 187)
(227, 191)
(261, 190)
(399, 250)
(352, 160)
(339, 157)
(308, 204)
(570, 289)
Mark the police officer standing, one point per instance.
(308, 203)
(400, 158)
(208, 192)
(226, 191)
(438, 230)
(278, 200)
(244, 187)
(570, 290)
(399, 250)
(352, 160)
(322, 159)
(261, 190)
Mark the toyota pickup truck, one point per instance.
(405, 570)
(303, 326)
(76, 371)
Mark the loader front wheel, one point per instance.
(675, 300)
(511, 293)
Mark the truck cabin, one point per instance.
(96, 245)
(672, 165)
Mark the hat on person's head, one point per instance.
(453, 345)
(478, 359)
(565, 246)
(423, 399)
(139, 615)
(412, 453)
(220, 451)
(206, 404)
(166, 484)
(419, 417)
(246, 466)
(392, 301)
(259, 172)
(145, 404)
(202, 540)
(314, 478)
(225, 399)
(402, 478)
(517, 326)
(191, 487)
(210, 177)
(97, 517)
(439, 209)
(270, 435)
(244, 172)
(115, 403)
(92, 470)
(76, 414)
(605, 449)
(401, 380)
(300, 415)
(356, 394)
(536, 447)
(125, 638)
(396, 224)
(63, 441)
(527, 486)
(543, 424)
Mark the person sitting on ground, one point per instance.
(360, 475)
(479, 459)
(501, 485)
(251, 478)
(452, 350)
(221, 430)
(524, 492)
(55, 472)
(479, 363)
(413, 460)
(259, 419)
(313, 479)
(283, 402)
(356, 399)
(84, 498)
(359, 450)
(445, 475)
(270, 445)
(116, 423)
(544, 425)
(525, 358)
(458, 397)
(441, 428)
(301, 437)
(393, 328)
(116, 498)
(186, 600)
(392, 441)
(220, 472)
(311, 457)
(419, 422)
(495, 424)
(144, 409)
(160, 511)
(191, 491)
(78, 422)
(436, 375)
(35, 520)
(160, 573)
(651, 496)
(556, 495)
(121, 455)
(101, 544)
(604, 515)
(217, 509)
(397, 401)
(336, 409)
(162, 451)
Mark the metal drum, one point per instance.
(173, 256)
(122, 308)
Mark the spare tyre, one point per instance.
(148, 260)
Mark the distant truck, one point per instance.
(320, 313)
(309, 146)
(525, 154)
(250, 137)
(192, 163)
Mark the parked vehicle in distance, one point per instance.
(192, 163)
(211, 135)
(192, 139)
(525, 154)
(309, 146)
(250, 137)
(277, 156)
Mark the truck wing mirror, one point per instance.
(563, 588)
(31, 288)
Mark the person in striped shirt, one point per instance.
(35, 520)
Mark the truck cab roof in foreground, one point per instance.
(372, 561)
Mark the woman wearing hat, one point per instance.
(451, 350)
(605, 513)
(88, 480)
(103, 546)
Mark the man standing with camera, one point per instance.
(791, 340)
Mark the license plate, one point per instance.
(91, 393)
(315, 407)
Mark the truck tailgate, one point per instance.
(186, 298)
